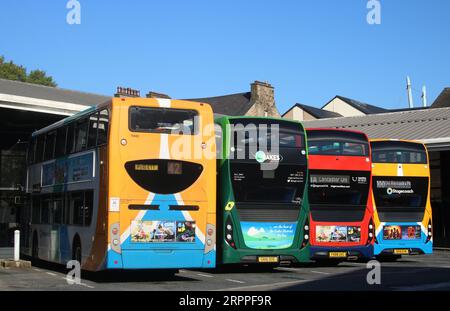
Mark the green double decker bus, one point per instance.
(262, 195)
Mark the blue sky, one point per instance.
(309, 50)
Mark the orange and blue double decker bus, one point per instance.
(401, 194)
(341, 217)
(124, 185)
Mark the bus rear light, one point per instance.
(305, 233)
(371, 234)
(229, 233)
(115, 238)
(210, 239)
(430, 231)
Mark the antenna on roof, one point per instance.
(408, 88)
(424, 96)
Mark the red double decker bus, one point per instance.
(339, 185)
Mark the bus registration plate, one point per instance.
(401, 251)
(337, 254)
(268, 259)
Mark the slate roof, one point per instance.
(231, 105)
(50, 93)
(417, 124)
(363, 107)
(443, 100)
(315, 112)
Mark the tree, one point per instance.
(11, 71)
(40, 77)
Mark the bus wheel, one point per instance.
(35, 248)
(76, 251)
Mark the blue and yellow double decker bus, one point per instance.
(109, 187)
(401, 193)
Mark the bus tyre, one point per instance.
(35, 248)
(76, 251)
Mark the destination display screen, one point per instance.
(339, 188)
(394, 192)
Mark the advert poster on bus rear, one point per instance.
(162, 231)
(395, 232)
(260, 235)
(338, 234)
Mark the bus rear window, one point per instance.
(163, 120)
(398, 152)
(324, 142)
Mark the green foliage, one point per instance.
(40, 77)
(11, 71)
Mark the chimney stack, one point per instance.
(127, 92)
(424, 96)
(408, 88)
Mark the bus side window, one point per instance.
(70, 144)
(36, 210)
(103, 124)
(45, 210)
(88, 207)
(66, 213)
(39, 148)
(76, 206)
(93, 126)
(60, 147)
(49, 146)
(57, 210)
(81, 135)
(31, 150)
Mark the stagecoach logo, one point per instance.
(262, 157)
(391, 191)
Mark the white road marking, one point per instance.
(51, 273)
(65, 278)
(36, 269)
(423, 287)
(205, 275)
(262, 286)
(235, 281)
(319, 272)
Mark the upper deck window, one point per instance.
(324, 142)
(163, 120)
(398, 152)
